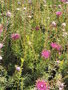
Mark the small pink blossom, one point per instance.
(41, 85)
(58, 13)
(1, 45)
(58, 61)
(1, 31)
(66, 2)
(37, 28)
(18, 68)
(15, 36)
(63, 0)
(59, 53)
(55, 46)
(45, 54)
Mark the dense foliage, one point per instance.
(33, 45)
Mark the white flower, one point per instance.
(65, 34)
(29, 16)
(29, 1)
(45, 5)
(63, 29)
(54, 23)
(59, 6)
(64, 24)
(0, 57)
(62, 84)
(60, 88)
(8, 14)
(24, 8)
(48, 18)
(19, 2)
(29, 43)
(18, 9)
(44, 1)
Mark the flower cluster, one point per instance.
(58, 13)
(15, 36)
(45, 54)
(34, 44)
(42, 85)
(55, 46)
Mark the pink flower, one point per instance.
(59, 53)
(15, 36)
(55, 46)
(1, 31)
(37, 28)
(45, 54)
(18, 68)
(41, 85)
(66, 2)
(58, 13)
(63, 0)
(1, 45)
(58, 62)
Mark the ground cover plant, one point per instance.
(33, 45)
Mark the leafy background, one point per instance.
(32, 20)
